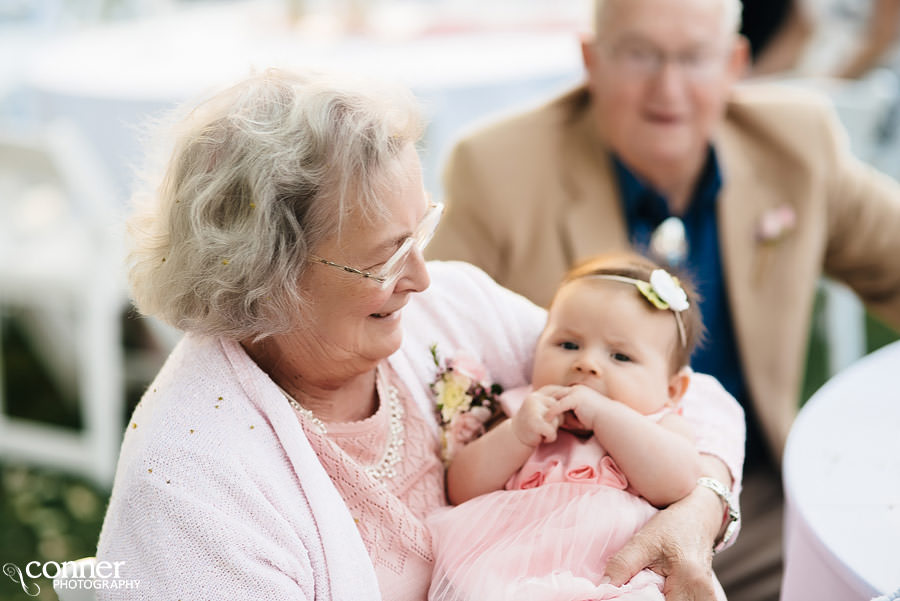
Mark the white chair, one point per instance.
(862, 105)
(60, 268)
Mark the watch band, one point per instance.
(732, 513)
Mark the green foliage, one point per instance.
(45, 516)
(877, 336)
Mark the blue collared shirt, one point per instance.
(645, 209)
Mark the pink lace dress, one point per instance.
(389, 513)
(548, 536)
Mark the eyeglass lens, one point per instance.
(419, 240)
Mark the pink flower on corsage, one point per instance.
(465, 402)
(775, 224)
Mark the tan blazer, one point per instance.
(529, 196)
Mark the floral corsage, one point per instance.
(465, 402)
(775, 223)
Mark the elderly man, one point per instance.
(765, 199)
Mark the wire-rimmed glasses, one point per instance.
(644, 60)
(389, 273)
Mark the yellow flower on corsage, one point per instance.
(452, 393)
(464, 402)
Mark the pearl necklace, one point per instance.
(394, 451)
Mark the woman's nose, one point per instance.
(415, 273)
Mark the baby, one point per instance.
(598, 444)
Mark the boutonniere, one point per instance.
(465, 401)
(775, 223)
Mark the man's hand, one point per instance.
(677, 544)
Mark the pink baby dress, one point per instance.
(548, 536)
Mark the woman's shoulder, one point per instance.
(449, 273)
(196, 420)
(466, 287)
(465, 312)
(463, 302)
(198, 448)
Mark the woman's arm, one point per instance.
(678, 541)
(485, 464)
(717, 422)
(662, 465)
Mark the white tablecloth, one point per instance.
(110, 79)
(842, 486)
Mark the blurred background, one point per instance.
(80, 82)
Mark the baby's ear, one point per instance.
(678, 385)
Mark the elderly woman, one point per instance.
(288, 448)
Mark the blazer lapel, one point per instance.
(592, 221)
(755, 277)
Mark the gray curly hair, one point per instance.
(260, 175)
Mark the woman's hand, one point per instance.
(677, 543)
(539, 417)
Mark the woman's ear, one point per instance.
(678, 385)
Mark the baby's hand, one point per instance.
(585, 403)
(538, 418)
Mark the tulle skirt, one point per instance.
(549, 543)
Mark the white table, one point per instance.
(842, 486)
(110, 79)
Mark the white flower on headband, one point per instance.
(669, 290)
(663, 291)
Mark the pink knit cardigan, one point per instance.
(218, 494)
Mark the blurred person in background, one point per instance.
(288, 448)
(762, 22)
(837, 38)
(751, 188)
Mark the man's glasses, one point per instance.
(642, 60)
(389, 273)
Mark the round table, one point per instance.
(842, 486)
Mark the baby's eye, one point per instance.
(569, 345)
(622, 357)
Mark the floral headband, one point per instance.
(663, 291)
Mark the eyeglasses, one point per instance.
(393, 267)
(643, 60)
